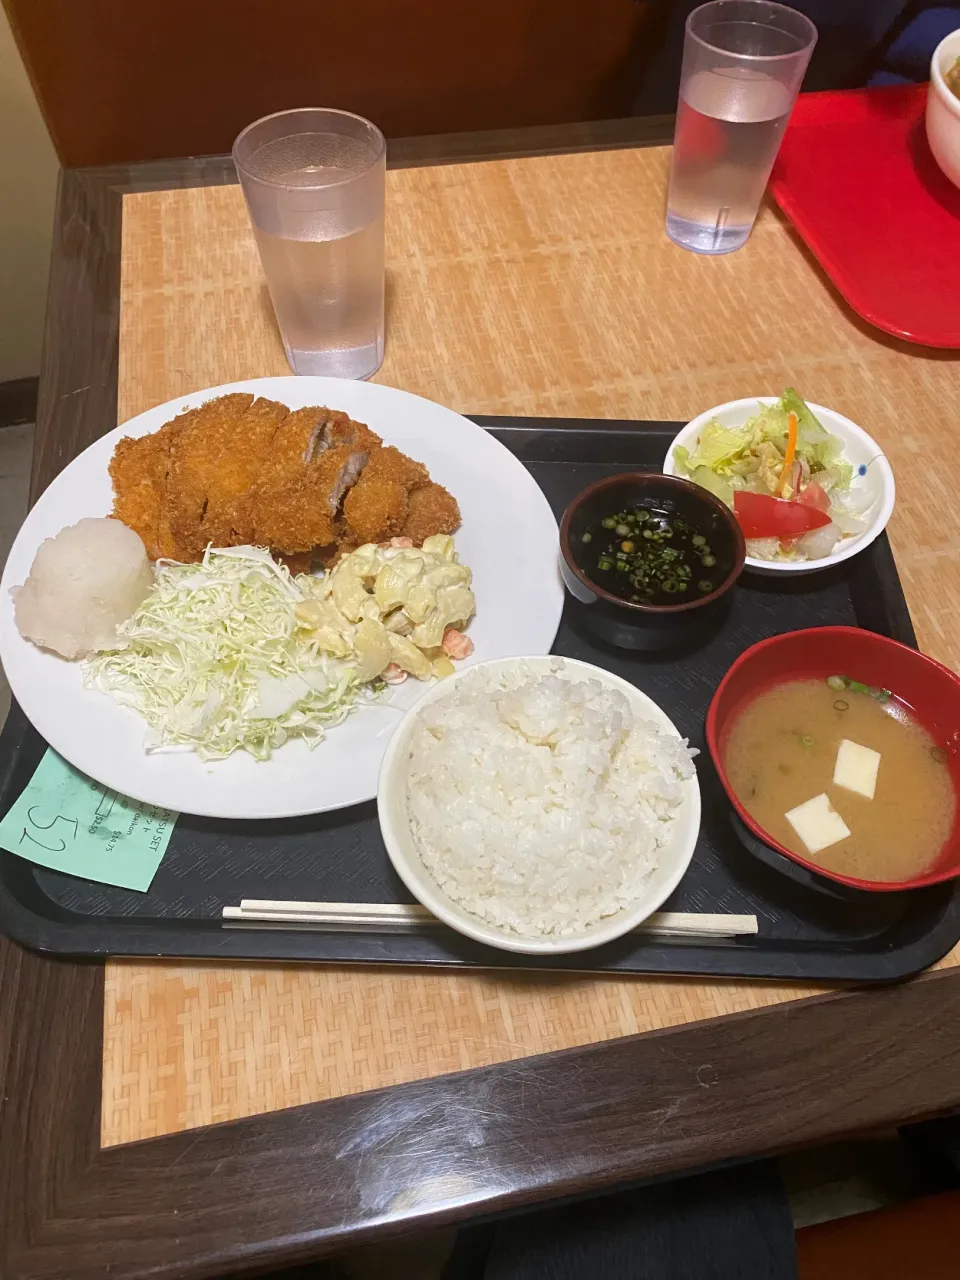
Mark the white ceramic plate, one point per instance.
(674, 857)
(859, 449)
(508, 538)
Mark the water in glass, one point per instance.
(326, 284)
(729, 126)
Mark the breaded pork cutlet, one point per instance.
(316, 455)
(338, 429)
(376, 507)
(305, 435)
(298, 512)
(237, 470)
(227, 517)
(389, 463)
(293, 445)
(430, 509)
(140, 470)
(198, 452)
(373, 510)
(278, 498)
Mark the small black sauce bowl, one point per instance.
(632, 625)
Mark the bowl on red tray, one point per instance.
(943, 107)
(927, 692)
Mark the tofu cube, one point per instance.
(817, 823)
(856, 768)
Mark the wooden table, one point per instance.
(78, 1198)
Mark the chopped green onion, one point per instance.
(587, 537)
(837, 682)
(662, 564)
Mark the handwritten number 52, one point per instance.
(41, 826)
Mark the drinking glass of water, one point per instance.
(743, 62)
(313, 181)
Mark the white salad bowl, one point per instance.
(871, 473)
(674, 857)
(943, 109)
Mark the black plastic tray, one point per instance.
(339, 857)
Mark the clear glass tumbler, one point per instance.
(313, 181)
(743, 63)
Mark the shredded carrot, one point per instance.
(790, 454)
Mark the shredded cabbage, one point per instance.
(213, 660)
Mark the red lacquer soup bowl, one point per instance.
(930, 690)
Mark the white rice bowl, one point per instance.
(540, 805)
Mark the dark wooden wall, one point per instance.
(139, 79)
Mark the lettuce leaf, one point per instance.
(720, 486)
(717, 448)
(722, 456)
(814, 443)
(835, 475)
(807, 422)
(681, 460)
(770, 426)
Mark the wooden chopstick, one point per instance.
(400, 916)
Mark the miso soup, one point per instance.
(781, 751)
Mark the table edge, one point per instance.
(456, 1146)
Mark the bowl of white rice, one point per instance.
(539, 805)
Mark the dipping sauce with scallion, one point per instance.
(647, 555)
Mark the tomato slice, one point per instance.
(764, 517)
(814, 496)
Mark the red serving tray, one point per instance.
(856, 177)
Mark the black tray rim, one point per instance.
(78, 937)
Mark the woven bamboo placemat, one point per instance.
(537, 286)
